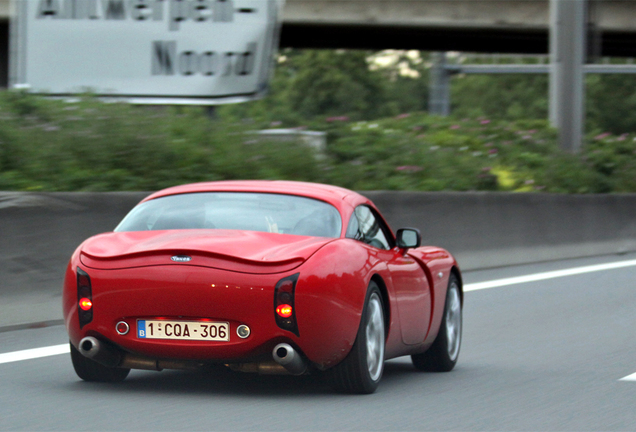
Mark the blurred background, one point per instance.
(366, 87)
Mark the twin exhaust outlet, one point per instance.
(286, 358)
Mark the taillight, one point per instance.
(84, 298)
(85, 304)
(284, 311)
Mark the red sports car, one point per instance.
(261, 276)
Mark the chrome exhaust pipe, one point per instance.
(286, 356)
(101, 352)
(107, 355)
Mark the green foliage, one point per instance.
(377, 135)
(610, 99)
(333, 83)
(508, 97)
(405, 81)
(313, 83)
(420, 152)
(88, 145)
(611, 103)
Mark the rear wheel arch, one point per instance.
(455, 271)
(443, 354)
(361, 370)
(385, 300)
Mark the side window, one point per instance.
(353, 229)
(366, 227)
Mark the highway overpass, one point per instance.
(582, 31)
(514, 26)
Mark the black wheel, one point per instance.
(361, 370)
(442, 355)
(90, 370)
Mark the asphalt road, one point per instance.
(544, 355)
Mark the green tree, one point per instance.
(506, 97)
(319, 83)
(611, 103)
(314, 84)
(336, 83)
(406, 79)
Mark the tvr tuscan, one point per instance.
(261, 276)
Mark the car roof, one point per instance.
(331, 194)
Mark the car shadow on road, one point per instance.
(220, 380)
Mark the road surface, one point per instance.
(556, 353)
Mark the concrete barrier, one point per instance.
(498, 229)
(38, 234)
(39, 231)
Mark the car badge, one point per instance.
(181, 258)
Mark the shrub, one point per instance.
(85, 144)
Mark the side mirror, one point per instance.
(408, 238)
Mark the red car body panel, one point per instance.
(240, 251)
(232, 278)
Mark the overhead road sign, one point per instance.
(146, 51)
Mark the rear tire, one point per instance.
(443, 354)
(361, 371)
(89, 370)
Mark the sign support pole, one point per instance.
(439, 86)
(567, 84)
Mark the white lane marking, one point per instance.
(34, 353)
(550, 275)
(631, 377)
(547, 275)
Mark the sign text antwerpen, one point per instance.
(177, 11)
(222, 48)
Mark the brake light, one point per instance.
(284, 294)
(284, 310)
(84, 298)
(85, 304)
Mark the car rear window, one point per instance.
(276, 213)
